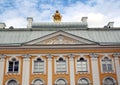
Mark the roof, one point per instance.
(22, 35)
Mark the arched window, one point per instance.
(109, 81)
(82, 65)
(83, 81)
(61, 65)
(61, 82)
(12, 82)
(38, 82)
(13, 65)
(38, 66)
(107, 65)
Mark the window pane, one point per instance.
(109, 67)
(12, 82)
(10, 69)
(81, 65)
(38, 66)
(61, 66)
(38, 82)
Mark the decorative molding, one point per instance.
(93, 55)
(116, 55)
(26, 56)
(49, 56)
(2, 57)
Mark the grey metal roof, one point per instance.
(59, 25)
(100, 35)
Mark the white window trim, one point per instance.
(37, 79)
(7, 64)
(88, 65)
(10, 80)
(109, 77)
(61, 56)
(84, 78)
(33, 65)
(62, 79)
(113, 65)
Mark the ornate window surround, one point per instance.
(38, 79)
(10, 80)
(55, 66)
(89, 82)
(62, 79)
(112, 60)
(109, 77)
(88, 65)
(10, 59)
(33, 65)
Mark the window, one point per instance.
(38, 82)
(38, 66)
(109, 81)
(83, 81)
(82, 65)
(61, 82)
(13, 65)
(12, 82)
(107, 65)
(61, 65)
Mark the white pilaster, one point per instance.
(26, 69)
(72, 74)
(49, 69)
(95, 71)
(117, 65)
(2, 62)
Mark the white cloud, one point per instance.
(99, 12)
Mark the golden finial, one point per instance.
(57, 16)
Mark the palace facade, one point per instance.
(59, 53)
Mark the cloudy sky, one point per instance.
(99, 12)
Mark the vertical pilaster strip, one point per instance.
(95, 69)
(26, 69)
(49, 59)
(117, 65)
(2, 63)
(72, 74)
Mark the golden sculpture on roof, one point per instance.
(57, 16)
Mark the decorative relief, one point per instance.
(60, 39)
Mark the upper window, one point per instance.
(83, 81)
(13, 65)
(82, 65)
(38, 66)
(12, 82)
(61, 82)
(109, 81)
(107, 65)
(61, 65)
(38, 82)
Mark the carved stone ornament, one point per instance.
(116, 55)
(93, 55)
(26, 56)
(2, 56)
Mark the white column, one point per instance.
(95, 69)
(49, 70)
(26, 69)
(117, 65)
(2, 62)
(72, 74)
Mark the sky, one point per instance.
(99, 12)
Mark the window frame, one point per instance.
(79, 69)
(13, 65)
(107, 64)
(39, 64)
(59, 69)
